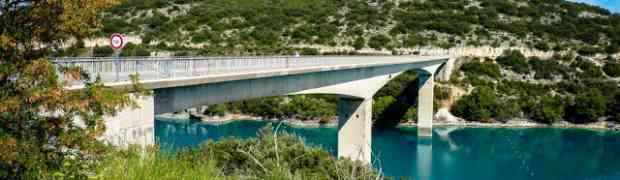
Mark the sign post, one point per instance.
(117, 41)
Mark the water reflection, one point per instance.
(452, 152)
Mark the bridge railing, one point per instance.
(155, 68)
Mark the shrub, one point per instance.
(378, 42)
(612, 69)
(478, 106)
(477, 68)
(508, 109)
(359, 43)
(514, 60)
(548, 109)
(102, 51)
(411, 114)
(588, 106)
(266, 157)
(588, 69)
(380, 104)
(546, 69)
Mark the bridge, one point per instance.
(181, 83)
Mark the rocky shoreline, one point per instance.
(441, 119)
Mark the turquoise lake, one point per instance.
(453, 152)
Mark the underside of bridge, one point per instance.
(355, 86)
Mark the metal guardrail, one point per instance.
(158, 68)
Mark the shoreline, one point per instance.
(217, 120)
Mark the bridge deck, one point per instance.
(116, 71)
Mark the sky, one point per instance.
(612, 5)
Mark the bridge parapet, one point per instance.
(113, 70)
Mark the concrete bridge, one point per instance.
(181, 83)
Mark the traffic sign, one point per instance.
(117, 41)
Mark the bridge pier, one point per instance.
(132, 125)
(425, 104)
(355, 128)
(426, 87)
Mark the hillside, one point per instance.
(548, 61)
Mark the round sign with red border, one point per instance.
(117, 41)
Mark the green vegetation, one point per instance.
(515, 60)
(612, 69)
(269, 156)
(477, 68)
(481, 105)
(39, 136)
(271, 27)
(575, 93)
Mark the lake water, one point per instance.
(452, 153)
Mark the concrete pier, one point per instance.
(132, 125)
(425, 104)
(355, 128)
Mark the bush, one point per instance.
(546, 69)
(548, 109)
(514, 60)
(477, 68)
(380, 104)
(266, 157)
(102, 51)
(359, 43)
(478, 106)
(612, 69)
(411, 114)
(588, 69)
(508, 109)
(378, 42)
(588, 106)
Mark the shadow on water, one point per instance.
(452, 152)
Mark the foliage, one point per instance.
(588, 106)
(271, 25)
(132, 49)
(548, 109)
(379, 42)
(612, 69)
(588, 69)
(359, 43)
(269, 156)
(102, 51)
(547, 69)
(40, 138)
(215, 110)
(477, 68)
(411, 114)
(381, 104)
(514, 60)
(508, 109)
(480, 105)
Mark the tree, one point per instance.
(38, 133)
(478, 106)
(588, 106)
(515, 60)
(359, 43)
(549, 109)
(378, 42)
(612, 69)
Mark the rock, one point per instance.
(444, 115)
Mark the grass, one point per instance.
(269, 156)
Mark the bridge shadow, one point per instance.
(394, 112)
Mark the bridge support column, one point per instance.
(355, 128)
(132, 125)
(425, 104)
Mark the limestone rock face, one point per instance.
(444, 115)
